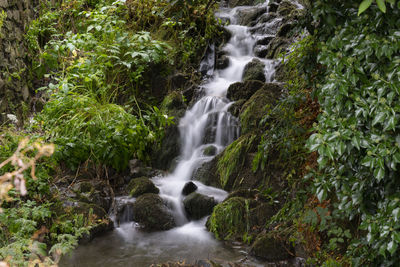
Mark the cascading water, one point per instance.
(208, 123)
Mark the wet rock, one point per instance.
(267, 17)
(273, 6)
(140, 186)
(222, 62)
(286, 7)
(210, 150)
(235, 3)
(178, 81)
(261, 51)
(152, 214)
(254, 70)
(285, 29)
(235, 108)
(93, 192)
(269, 248)
(206, 173)
(264, 40)
(173, 102)
(197, 205)
(189, 187)
(169, 149)
(277, 46)
(250, 15)
(97, 230)
(243, 90)
(259, 104)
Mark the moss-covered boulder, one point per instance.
(197, 205)
(258, 106)
(222, 62)
(243, 90)
(152, 213)
(210, 150)
(286, 7)
(269, 248)
(254, 70)
(277, 46)
(173, 102)
(140, 186)
(229, 219)
(249, 16)
(233, 163)
(207, 173)
(235, 108)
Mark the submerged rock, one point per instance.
(140, 186)
(152, 213)
(197, 205)
(189, 187)
(254, 70)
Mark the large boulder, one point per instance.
(249, 16)
(197, 205)
(140, 186)
(235, 108)
(243, 90)
(207, 173)
(258, 105)
(254, 70)
(269, 248)
(152, 213)
(286, 7)
(189, 188)
(277, 46)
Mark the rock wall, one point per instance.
(14, 86)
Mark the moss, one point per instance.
(173, 101)
(229, 219)
(232, 159)
(140, 186)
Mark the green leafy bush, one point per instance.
(357, 137)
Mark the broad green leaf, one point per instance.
(379, 173)
(381, 5)
(378, 118)
(363, 6)
(392, 247)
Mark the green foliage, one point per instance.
(105, 133)
(380, 3)
(3, 16)
(357, 137)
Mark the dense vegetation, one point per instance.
(93, 65)
(346, 211)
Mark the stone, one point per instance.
(286, 7)
(173, 101)
(269, 248)
(277, 46)
(152, 213)
(140, 186)
(254, 70)
(197, 205)
(210, 150)
(285, 29)
(249, 16)
(258, 105)
(243, 90)
(261, 51)
(235, 108)
(235, 3)
(178, 81)
(207, 173)
(189, 188)
(265, 40)
(273, 7)
(170, 147)
(222, 62)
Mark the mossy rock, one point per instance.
(229, 219)
(210, 150)
(243, 90)
(197, 205)
(258, 106)
(235, 3)
(235, 108)
(152, 213)
(173, 102)
(170, 148)
(254, 70)
(277, 46)
(231, 163)
(207, 173)
(286, 7)
(267, 247)
(140, 186)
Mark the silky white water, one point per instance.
(207, 123)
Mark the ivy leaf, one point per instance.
(378, 118)
(363, 6)
(381, 5)
(379, 173)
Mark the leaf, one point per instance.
(392, 247)
(378, 118)
(379, 173)
(381, 5)
(363, 6)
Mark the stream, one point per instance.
(207, 124)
